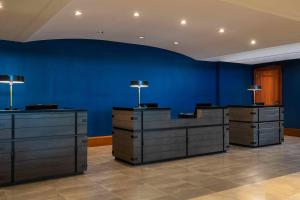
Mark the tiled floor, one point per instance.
(242, 173)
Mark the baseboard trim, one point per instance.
(99, 141)
(292, 132)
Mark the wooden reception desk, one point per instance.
(37, 145)
(150, 135)
(256, 126)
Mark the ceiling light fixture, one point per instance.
(1, 5)
(78, 13)
(221, 30)
(141, 37)
(253, 42)
(183, 22)
(176, 43)
(136, 14)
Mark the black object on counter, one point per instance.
(149, 105)
(41, 107)
(186, 115)
(203, 104)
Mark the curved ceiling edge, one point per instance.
(103, 42)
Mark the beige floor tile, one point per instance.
(142, 192)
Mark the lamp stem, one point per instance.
(11, 95)
(139, 94)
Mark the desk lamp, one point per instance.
(254, 89)
(11, 80)
(139, 85)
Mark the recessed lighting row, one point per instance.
(222, 31)
(136, 14)
(183, 22)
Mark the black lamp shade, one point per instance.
(4, 79)
(11, 79)
(139, 84)
(254, 88)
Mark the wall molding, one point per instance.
(292, 132)
(99, 141)
(266, 55)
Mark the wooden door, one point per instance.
(270, 79)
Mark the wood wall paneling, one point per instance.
(99, 141)
(270, 78)
(292, 132)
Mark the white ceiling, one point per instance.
(19, 19)
(272, 23)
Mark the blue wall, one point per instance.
(95, 75)
(291, 92)
(234, 79)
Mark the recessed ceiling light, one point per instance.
(141, 37)
(222, 30)
(183, 22)
(253, 42)
(176, 43)
(78, 13)
(1, 5)
(136, 14)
